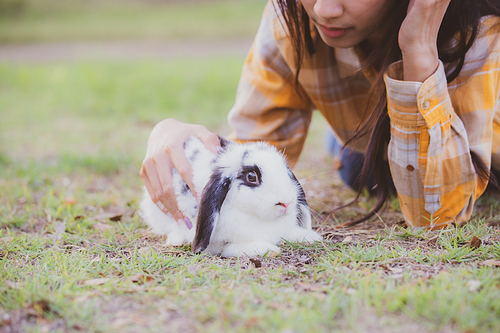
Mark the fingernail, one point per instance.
(198, 197)
(188, 223)
(219, 149)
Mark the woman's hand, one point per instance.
(418, 38)
(165, 151)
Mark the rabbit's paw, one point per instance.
(260, 248)
(176, 238)
(303, 236)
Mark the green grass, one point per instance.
(72, 138)
(64, 112)
(72, 141)
(69, 20)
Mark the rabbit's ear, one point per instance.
(301, 201)
(212, 198)
(224, 142)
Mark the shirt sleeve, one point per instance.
(268, 105)
(434, 129)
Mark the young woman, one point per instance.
(410, 87)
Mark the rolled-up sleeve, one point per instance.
(432, 137)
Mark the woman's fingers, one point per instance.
(181, 164)
(161, 191)
(211, 140)
(164, 153)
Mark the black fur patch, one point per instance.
(224, 142)
(212, 198)
(244, 156)
(301, 199)
(185, 189)
(194, 155)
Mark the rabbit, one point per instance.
(250, 202)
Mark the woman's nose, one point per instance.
(328, 9)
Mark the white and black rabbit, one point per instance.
(250, 202)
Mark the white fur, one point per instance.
(249, 222)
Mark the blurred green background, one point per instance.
(76, 114)
(63, 20)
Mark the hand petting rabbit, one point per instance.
(250, 202)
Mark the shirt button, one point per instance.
(410, 167)
(426, 105)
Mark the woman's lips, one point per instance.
(334, 32)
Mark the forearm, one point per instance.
(429, 152)
(418, 38)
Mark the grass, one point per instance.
(75, 256)
(70, 20)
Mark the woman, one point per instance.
(411, 87)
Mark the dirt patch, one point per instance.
(124, 50)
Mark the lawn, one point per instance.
(75, 256)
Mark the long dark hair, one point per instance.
(462, 19)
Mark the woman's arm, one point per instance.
(434, 128)
(268, 106)
(418, 38)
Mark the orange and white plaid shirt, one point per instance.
(434, 125)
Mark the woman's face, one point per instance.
(346, 23)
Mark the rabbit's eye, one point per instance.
(251, 177)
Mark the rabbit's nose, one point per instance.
(283, 204)
(283, 207)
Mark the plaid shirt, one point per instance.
(434, 125)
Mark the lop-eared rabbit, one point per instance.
(250, 202)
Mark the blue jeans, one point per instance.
(351, 165)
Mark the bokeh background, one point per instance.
(82, 82)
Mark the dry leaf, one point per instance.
(491, 262)
(141, 278)
(70, 201)
(347, 239)
(116, 218)
(433, 240)
(96, 282)
(114, 215)
(38, 308)
(475, 242)
(256, 262)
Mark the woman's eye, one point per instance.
(251, 177)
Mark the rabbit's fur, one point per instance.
(250, 202)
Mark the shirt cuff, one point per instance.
(416, 104)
